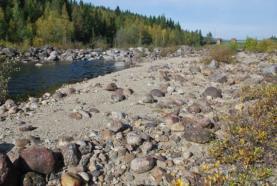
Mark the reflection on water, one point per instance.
(34, 81)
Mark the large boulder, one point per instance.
(37, 159)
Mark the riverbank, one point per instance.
(150, 124)
(49, 54)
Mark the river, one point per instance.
(31, 80)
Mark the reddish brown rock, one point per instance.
(37, 159)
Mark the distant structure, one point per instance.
(233, 40)
(218, 41)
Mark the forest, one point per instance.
(68, 23)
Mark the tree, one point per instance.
(209, 38)
(2, 25)
(54, 28)
(65, 21)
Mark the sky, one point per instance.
(224, 18)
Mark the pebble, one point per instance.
(157, 93)
(69, 179)
(133, 139)
(141, 165)
(177, 127)
(115, 126)
(84, 176)
(33, 179)
(212, 92)
(111, 87)
(26, 128)
(76, 115)
(71, 155)
(148, 99)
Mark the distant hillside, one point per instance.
(64, 22)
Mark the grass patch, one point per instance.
(251, 145)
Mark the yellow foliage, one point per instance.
(252, 138)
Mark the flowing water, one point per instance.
(34, 81)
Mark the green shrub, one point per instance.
(251, 145)
(234, 45)
(6, 68)
(266, 45)
(222, 53)
(251, 44)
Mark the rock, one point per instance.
(177, 127)
(13, 110)
(119, 64)
(118, 95)
(194, 108)
(111, 87)
(58, 95)
(141, 165)
(26, 128)
(76, 115)
(70, 91)
(213, 64)
(115, 126)
(38, 65)
(84, 176)
(53, 56)
(37, 159)
(219, 78)
(205, 123)
(148, 99)
(21, 143)
(9, 104)
(194, 70)
(3, 109)
(106, 134)
(134, 139)
(71, 155)
(198, 135)
(94, 110)
(84, 147)
(10, 52)
(69, 179)
(117, 115)
(146, 147)
(270, 70)
(85, 114)
(33, 179)
(157, 93)
(64, 140)
(158, 174)
(171, 119)
(8, 174)
(128, 92)
(213, 92)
